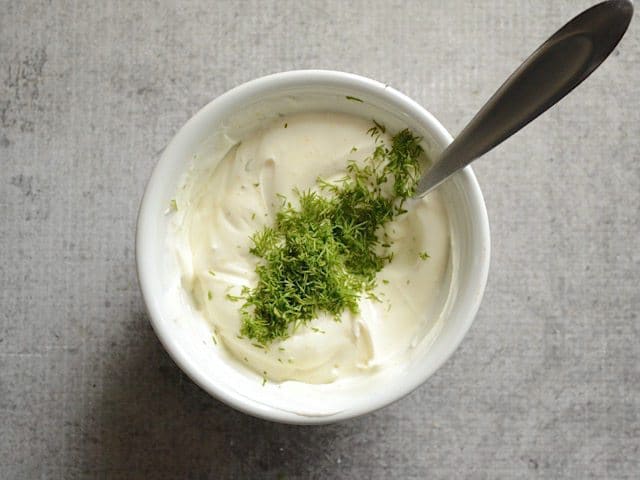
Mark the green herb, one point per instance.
(286, 125)
(374, 297)
(354, 149)
(209, 295)
(213, 337)
(212, 273)
(253, 216)
(386, 282)
(173, 205)
(355, 99)
(257, 184)
(423, 255)
(233, 298)
(380, 127)
(323, 254)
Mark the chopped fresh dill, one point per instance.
(423, 255)
(253, 216)
(173, 205)
(209, 295)
(380, 127)
(324, 253)
(354, 149)
(213, 337)
(374, 297)
(385, 281)
(257, 184)
(264, 378)
(212, 273)
(286, 125)
(355, 99)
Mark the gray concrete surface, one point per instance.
(546, 384)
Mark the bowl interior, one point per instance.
(187, 337)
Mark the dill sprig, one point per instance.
(323, 254)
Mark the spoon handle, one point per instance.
(558, 66)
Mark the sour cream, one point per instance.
(225, 199)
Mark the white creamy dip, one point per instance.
(227, 198)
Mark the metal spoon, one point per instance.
(558, 66)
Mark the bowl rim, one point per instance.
(144, 234)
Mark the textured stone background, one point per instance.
(546, 384)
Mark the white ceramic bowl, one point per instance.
(188, 340)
